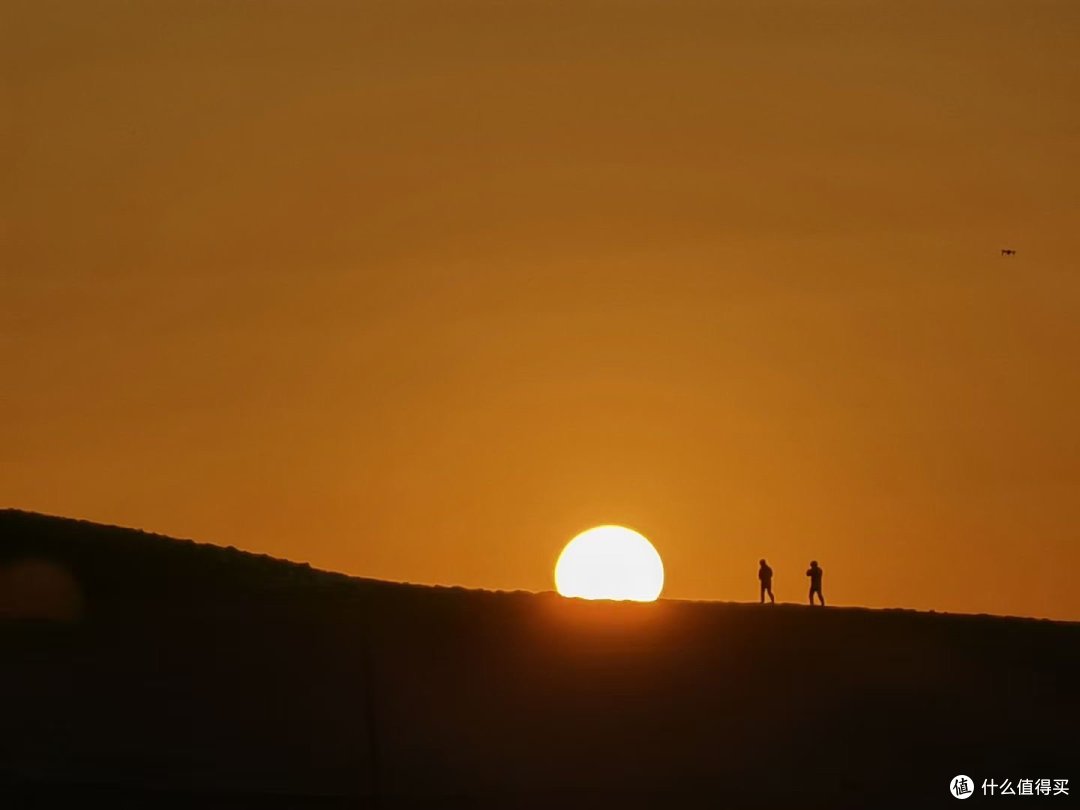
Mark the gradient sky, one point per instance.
(419, 290)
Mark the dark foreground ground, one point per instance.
(139, 671)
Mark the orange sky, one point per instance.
(419, 290)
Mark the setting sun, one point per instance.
(610, 562)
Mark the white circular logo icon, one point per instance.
(961, 787)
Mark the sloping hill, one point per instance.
(155, 672)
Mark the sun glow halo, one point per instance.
(610, 562)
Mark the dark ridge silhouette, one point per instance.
(150, 672)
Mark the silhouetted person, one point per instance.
(764, 574)
(814, 572)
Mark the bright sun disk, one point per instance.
(610, 562)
